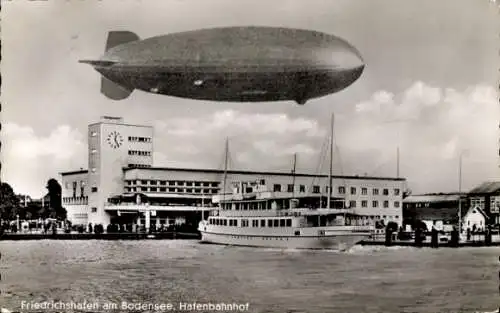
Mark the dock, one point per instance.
(102, 236)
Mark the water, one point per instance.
(364, 279)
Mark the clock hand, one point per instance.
(116, 140)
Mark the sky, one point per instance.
(429, 88)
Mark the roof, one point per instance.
(261, 173)
(434, 197)
(486, 187)
(479, 210)
(426, 213)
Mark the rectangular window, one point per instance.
(289, 188)
(302, 188)
(288, 223)
(375, 191)
(94, 210)
(316, 189)
(364, 191)
(353, 190)
(282, 223)
(386, 192)
(277, 188)
(396, 204)
(342, 190)
(396, 192)
(364, 204)
(352, 204)
(269, 223)
(262, 223)
(375, 204)
(276, 223)
(386, 204)
(93, 189)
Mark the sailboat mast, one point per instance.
(293, 173)
(226, 155)
(331, 165)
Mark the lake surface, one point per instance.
(363, 279)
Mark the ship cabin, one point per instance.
(254, 205)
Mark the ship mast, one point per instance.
(226, 155)
(293, 174)
(329, 195)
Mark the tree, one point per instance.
(9, 202)
(55, 205)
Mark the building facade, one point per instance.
(486, 197)
(121, 184)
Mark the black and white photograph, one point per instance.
(257, 156)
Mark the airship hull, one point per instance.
(238, 64)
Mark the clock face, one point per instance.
(115, 140)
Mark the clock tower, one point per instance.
(114, 145)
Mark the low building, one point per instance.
(474, 220)
(434, 209)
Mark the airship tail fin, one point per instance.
(114, 91)
(119, 37)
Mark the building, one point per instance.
(122, 186)
(487, 198)
(434, 209)
(475, 219)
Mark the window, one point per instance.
(153, 189)
(144, 182)
(375, 191)
(282, 223)
(397, 191)
(375, 204)
(353, 190)
(341, 189)
(316, 189)
(386, 192)
(276, 223)
(93, 210)
(396, 204)
(163, 189)
(269, 223)
(277, 188)
(364, 191)
(93, 134)
(262, 223)
(386, 204)
(289, 188)
(302, 188)
(364, 204)
(93, 151)
(352, 204)
(288, 223)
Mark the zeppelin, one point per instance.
(235, 64)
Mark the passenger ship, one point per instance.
(254, 216)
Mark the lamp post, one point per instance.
(460, 193)
(460, 156)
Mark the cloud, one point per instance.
(29, 160)
(256, 140)
(430, 125)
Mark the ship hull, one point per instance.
(341, 241)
